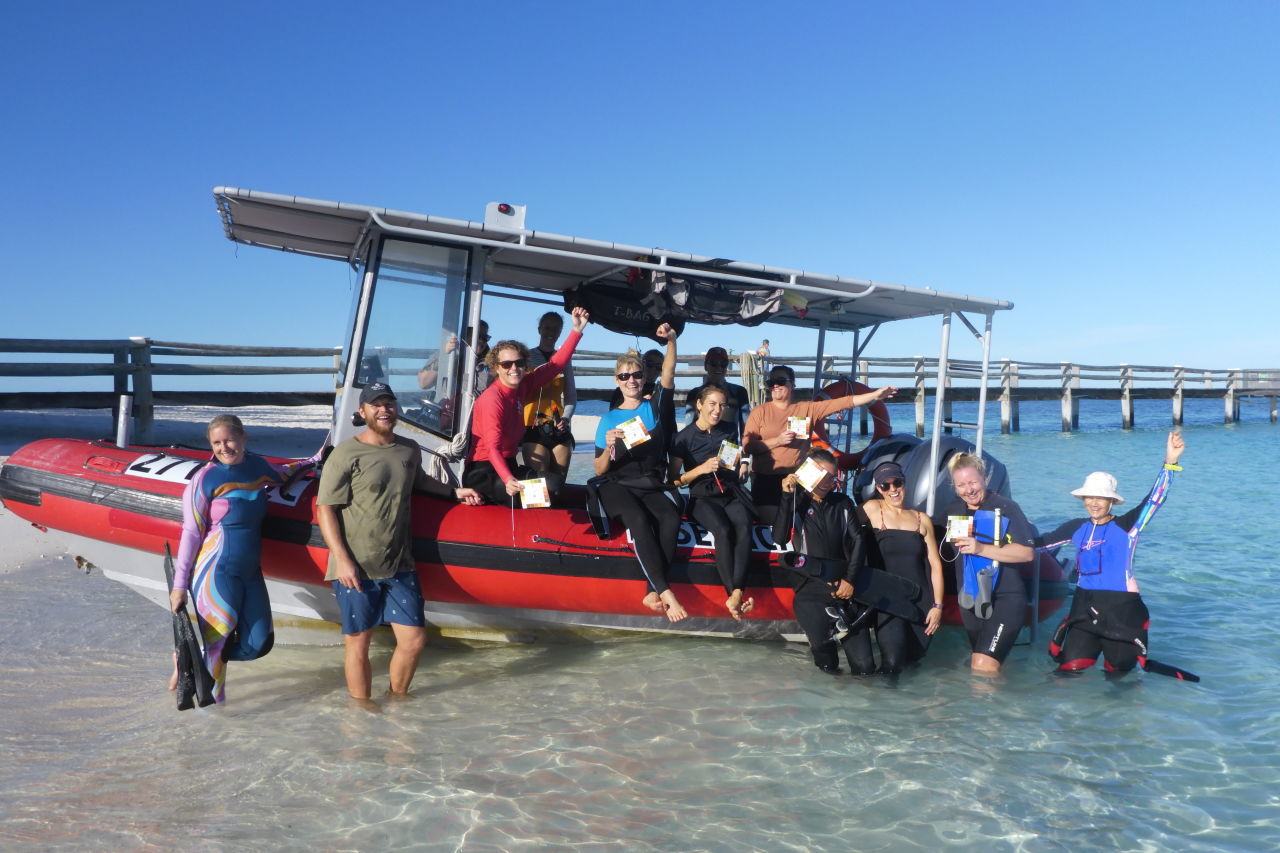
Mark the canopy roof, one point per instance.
(550, 263)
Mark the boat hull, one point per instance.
(486, 570)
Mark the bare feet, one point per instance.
(734, 604)
(674, 611)
(748, 604)
(173, 679)
(653, 602)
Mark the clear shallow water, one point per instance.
(685, 744)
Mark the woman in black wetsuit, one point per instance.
(631, 471)
(991, 638)
(718, 501)
(828, 547)
(908, 549)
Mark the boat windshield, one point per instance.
(413, 339)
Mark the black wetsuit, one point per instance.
(827, 534)
(634, 489)
(718, 501)
(995, 636)
(905, 554)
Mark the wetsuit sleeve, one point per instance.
(785, 518)
(195, 525)
(1136, 519)
(570, 392)
(486, 422)
(1020, 531)
(1059, 536)
(855, 543)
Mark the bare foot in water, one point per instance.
(674, 611)
(173, 679)
(653, 602)
(734, 604)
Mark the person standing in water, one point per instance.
(993, 631)
(221, 546)
(363, 513)
(824, 529)
(1107, 612)
(907, 548)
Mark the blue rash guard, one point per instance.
(1104, 552)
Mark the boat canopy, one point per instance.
(546, 262)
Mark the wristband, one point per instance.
(935, 606)
(1169, 466)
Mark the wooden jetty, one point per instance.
(134, 364)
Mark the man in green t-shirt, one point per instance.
(363, 510)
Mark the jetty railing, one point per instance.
(135, 364)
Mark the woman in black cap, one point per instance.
(908, 549)
(773, 439)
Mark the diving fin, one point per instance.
(888, 593)
(195, 685)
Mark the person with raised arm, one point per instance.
(631, 481)
(547, 444)
(497, 420)
(1108, 615)
(778, 433)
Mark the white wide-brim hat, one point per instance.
(1099, 484)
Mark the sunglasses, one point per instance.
(623, 377)
(717, 364)
(773, 383)
(507, 365)
(896, 483)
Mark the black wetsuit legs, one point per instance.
(811, 603)
(730, 523)
(899, 646)
(654, 523)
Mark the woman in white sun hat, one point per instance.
(1107, 612)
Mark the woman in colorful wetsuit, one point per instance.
(717, 499)
(497, 420)
(631, 471)
(776, 449)
(548, 442)
(1107, 612)
(218, 555)
(906, 548)
(991, 638)
(823, 527)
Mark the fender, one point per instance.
(881, 426)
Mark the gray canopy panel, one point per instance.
(551, 263)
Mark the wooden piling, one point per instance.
(1009, 420)
(1070, 405)
(1126, 396)
(920, 396)
(1179, 376)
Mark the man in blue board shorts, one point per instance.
(363, 511)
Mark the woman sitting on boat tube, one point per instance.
(708, 452)
(497, 420)
(1107, 612)
(772, 439)
(993, 618)
(631, 470)
(218, 554)
(907, 548)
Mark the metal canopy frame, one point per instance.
(545, 263)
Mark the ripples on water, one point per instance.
(684, 744)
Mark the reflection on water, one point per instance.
(676, 743)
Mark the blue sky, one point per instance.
(1110, 167)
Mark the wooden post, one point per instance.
(1231, 405)
(144, 410)
(1126, 396)
(1008, 402)
(919, 369)
(1273, 409)
(119, 379)
(947, 415)
(1179, 376)
(864, 376)
(1070, 405)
